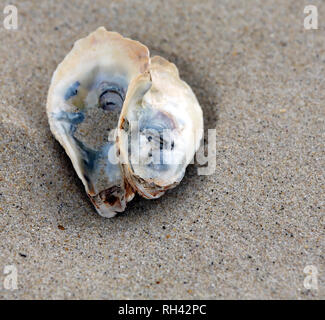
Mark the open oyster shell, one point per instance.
(108, 82)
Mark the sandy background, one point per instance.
(246, 231)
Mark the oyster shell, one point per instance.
(107, 80)
(168, 125)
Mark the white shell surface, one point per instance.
(164, 107)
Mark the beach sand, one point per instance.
(246, 231)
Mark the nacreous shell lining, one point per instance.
(96, 100)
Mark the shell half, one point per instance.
(165, 127)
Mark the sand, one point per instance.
(247, 231)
